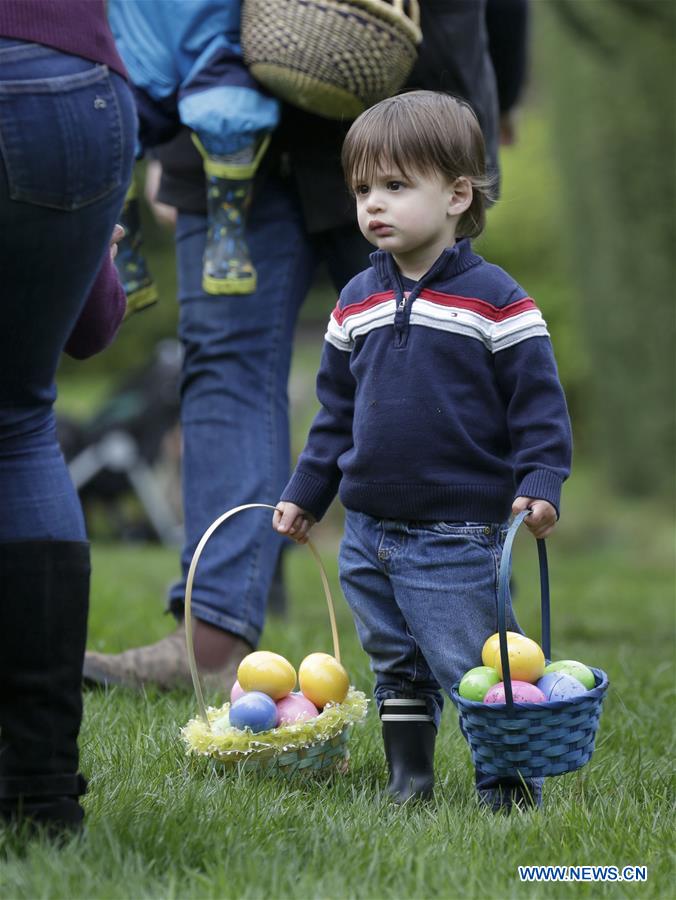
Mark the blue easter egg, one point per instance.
(255, 711)
(559, 686)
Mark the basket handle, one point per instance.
(503, 594)
(413, 10)
(188, 598)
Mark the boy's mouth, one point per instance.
(381, 229)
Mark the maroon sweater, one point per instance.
(101, 316)
(79, 27)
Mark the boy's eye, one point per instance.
(394, 185)
(361, 189)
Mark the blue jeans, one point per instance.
(234, 402)
(424, 598)
(67, 130)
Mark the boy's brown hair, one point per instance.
(425, 132)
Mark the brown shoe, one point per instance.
(163, 665)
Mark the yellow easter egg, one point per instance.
(526, 659)
(322, 679)
(492, 645)
(267, 672)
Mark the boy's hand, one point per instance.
(292, 521)
(542, 519)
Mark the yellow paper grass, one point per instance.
(233, 745)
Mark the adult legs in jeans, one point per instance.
(234, 410)
(234, 416)
(51, 249)
(424, 597)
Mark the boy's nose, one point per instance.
(374, 203)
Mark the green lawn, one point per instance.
(160, 825)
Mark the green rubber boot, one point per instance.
(131, 266)
(227, 266)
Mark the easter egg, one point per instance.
(522, 692)
(559, 686)
(254, 710)
(295, 708)
(526, 659)
(236, 691)
(267, 672)
(476, 683)
(492, 644)
(322, 679)
(577, 669)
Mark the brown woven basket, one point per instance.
(334, 58)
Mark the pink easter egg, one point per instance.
(295, 708)
(522, 692)
(236, 692)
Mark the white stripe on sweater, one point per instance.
(495, 336)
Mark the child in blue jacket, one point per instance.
(441, 414)
(185, 61)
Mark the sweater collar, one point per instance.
(452, 261)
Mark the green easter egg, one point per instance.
(577, 669)
(476, 683)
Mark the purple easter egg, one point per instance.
(236, 692)
(295, 708)
(254, 710)
(522, 692)
(560, 686)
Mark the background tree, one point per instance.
(609, 67)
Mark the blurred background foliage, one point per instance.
(609, 69)
(585, 223)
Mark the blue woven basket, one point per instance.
(528, 740)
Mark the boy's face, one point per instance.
(413, 218)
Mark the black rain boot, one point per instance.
(505, 794)
(44, 599)
(409, 736)
(227, 266)
(130, 263)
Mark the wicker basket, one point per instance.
(334, 58)
(530, 739)
(319, 746)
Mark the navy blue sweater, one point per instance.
(440, 399)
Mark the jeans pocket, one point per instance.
(61, 138)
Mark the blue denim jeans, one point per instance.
(234, 401)
(424, 598)
(67, 130)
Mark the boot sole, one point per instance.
(213, 285)
(139, 300)
(92, 678)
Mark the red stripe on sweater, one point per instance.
(481, 307)
(354, 309)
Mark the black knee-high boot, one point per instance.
(44, 597)
(409, 736)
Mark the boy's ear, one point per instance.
(460, 196)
